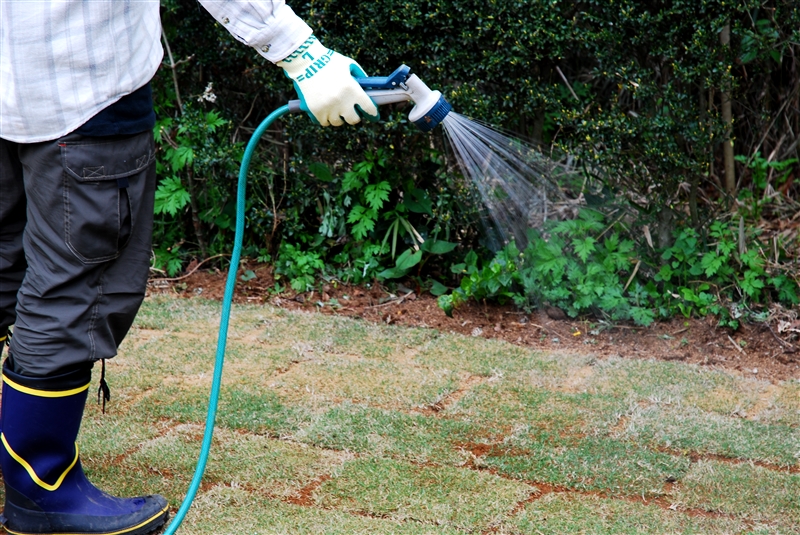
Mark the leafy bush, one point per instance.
(640, 106)
(581, 268)
(498, 280)
(587, 267)
(300, 267)
(727, 276)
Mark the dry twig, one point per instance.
(175, 279)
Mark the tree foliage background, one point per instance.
(632, 90)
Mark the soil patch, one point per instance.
(757, 350)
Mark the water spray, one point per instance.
(513, 178)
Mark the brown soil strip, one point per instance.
(541, 490)
(496, 450)
(662, 502)
(454, 397)
(696, 457)
(169, 427)
(305, 496)
(378, 516)
(286, 369)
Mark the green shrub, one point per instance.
(498, 279)
(727, 276)
(300, 267)
(581, 268)
(588, 267)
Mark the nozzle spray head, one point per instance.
(430, 107)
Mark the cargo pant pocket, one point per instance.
(102, 178)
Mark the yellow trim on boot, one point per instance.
(119, 532)
(44, 393)
(31, 472)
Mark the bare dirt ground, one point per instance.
(769, 351)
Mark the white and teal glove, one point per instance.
(324, 81)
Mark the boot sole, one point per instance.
(148, 526)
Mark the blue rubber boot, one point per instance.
(46, 489)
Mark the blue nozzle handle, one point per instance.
(393, 81)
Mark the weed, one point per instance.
(299, 266)
(584, 266)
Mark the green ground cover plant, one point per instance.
(589, 265)
(331, 425)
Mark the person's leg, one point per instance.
(87, 245)
(12, 224)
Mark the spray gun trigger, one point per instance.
(398, 77)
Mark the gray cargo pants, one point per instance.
(76, 220)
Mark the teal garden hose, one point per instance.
(430, 108)
(227, 300)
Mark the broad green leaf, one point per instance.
(377, 194)
(171, 196)
(584, 247)
(409, 259)
(321, 171)
(437, 288)
(438, 246)
(419, 202)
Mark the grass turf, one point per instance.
(332, 425)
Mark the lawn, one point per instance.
(333, 425)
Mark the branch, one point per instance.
(175, 279)
(173, 66)
(566, 82)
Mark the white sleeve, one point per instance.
(269, 26)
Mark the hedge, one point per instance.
(632, 90)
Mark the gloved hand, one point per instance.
(324, 82)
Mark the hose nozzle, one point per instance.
(430, 107)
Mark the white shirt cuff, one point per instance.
(271, 27)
